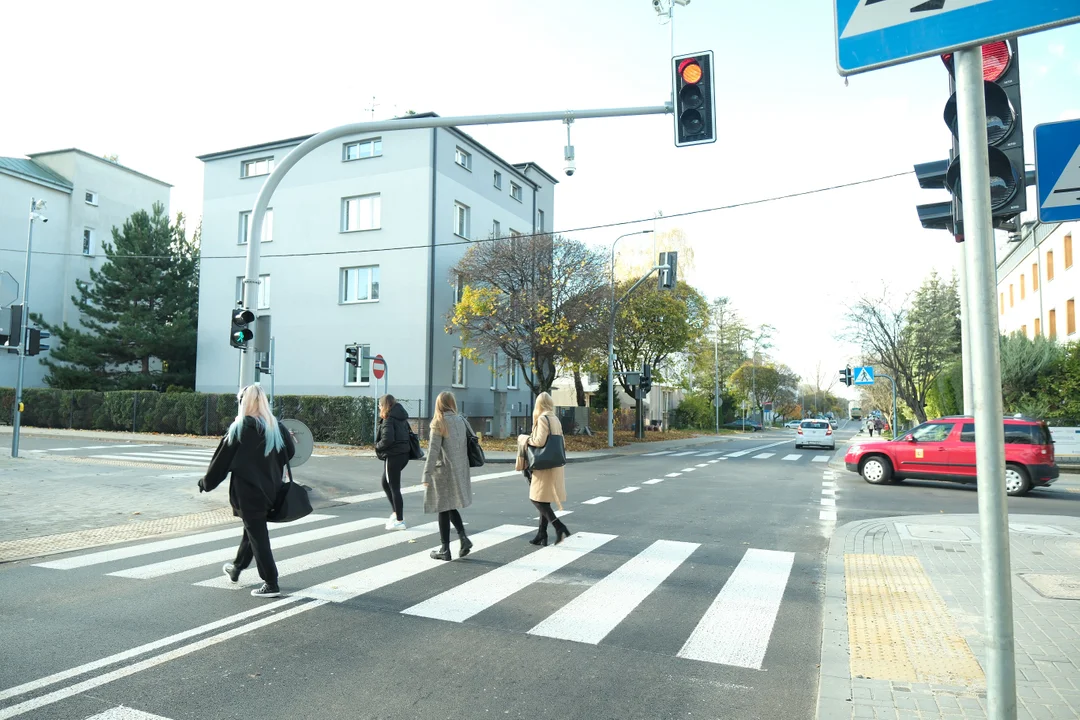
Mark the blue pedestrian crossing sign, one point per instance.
(864, 375)
(1057, 170)
(873, 34)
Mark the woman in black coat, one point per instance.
(254, 451)
(392, 447)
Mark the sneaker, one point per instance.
(232, 571)
(396, 525)
(267, 591)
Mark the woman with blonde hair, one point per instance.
(545, 486)
(392, 447)
(447, 484)
(254, 451)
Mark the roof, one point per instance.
(525, 166)
(274, 145)
(101, 160)
(29, 170)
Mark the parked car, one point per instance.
(815, 432)
(792, 424)
(832, 422)
(746, 425)
(944, 449)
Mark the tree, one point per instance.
(718, 351)
(141, 306)
(1023, 363)
(914, 345)
(599, 398)
(537, 299)
(766, 383)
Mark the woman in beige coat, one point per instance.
(545, 486)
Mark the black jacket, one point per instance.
(392, 437)
(256, 476)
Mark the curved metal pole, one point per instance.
(251, 270)
(611, 342)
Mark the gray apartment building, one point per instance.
(358, 247)
(86, 197)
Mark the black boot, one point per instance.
(561, 531)
(540, 539)
(466, 545)
(442, 553)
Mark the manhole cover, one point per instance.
(937, 533)
(1056, 587)
(1029, 529)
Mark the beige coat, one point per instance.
(547, 485)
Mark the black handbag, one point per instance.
(415, 451)
(292, 503)
(472, 445)
(552, 455)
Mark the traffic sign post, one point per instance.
(1057, 170)
(864, 375)
(379, 370)
(873, 34)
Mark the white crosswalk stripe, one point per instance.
(764, 456)
(596, 500)
(654, 454)
(792, 457)
(125, 713)
(821, 459)
(680, 454)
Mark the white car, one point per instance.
(792, 424)
(815, 432)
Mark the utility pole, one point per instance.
(716, 361)
(35, 207)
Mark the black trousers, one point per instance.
(256, 543)
(547, 515)
(391, 482)
(445, 518)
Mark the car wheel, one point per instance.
(1016, 480)
(876, 470)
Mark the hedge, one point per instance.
(332, 419)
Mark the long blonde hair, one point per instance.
(386, 404)
(544, 404)
(253, 403)
(445, 403)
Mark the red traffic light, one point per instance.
(997, 57)
(690, 71)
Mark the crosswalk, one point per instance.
(751, 454)
(151, 454)
(332, 559)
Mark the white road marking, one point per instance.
(466, 600)
(688, 469)
(132, 457)
(710, 453)
(829, 501)
(628, 489)
(125, 713)
(703, 465)
(828, 484)
(370, 579)
(596, 500)
(792, 457)
(301, 563)
(735, 630)
(764, 456)
(673, 475)
(117, 447)
(827, 515)
(689, 452)
(653, 481)
(740, 453)
(654, 454)
(107, 556)
(177, 476)
(558, 514)
(364, 497)
(64, 693)
(821, 458)
(190, 562)
(590, 616)
(828, 491)
(57, 450)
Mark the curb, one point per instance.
(834, 675)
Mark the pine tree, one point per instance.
(140, 312)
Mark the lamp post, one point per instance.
(36, 206)
(611, 344)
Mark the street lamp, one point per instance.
(611, 344)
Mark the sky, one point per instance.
(159, 83)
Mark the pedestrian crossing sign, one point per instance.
(864, 375)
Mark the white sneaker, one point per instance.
(391, 521)
(397, 525)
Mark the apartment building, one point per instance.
(358, 246)
(1038, 283)
(86, 197)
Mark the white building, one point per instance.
(86, 197)
(1038, 283)
(661, 400)
(358, 245)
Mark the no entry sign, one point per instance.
(378, 367)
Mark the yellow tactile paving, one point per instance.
(899, 628)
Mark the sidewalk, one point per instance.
(903, 633)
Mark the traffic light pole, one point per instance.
(965, 331)
(891, 380)
(262, 201)
(23, 332)
(982, 326)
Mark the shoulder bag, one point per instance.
(292, 503)
(552, 455)
(415, 451)
(472, 445)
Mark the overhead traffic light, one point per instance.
(945, 215)
(846, 376)
(352, 355)
(1004, 129)
(646, 379)
(14, 329)
(34, 336)
(694, 98)
(241, 334)
(669, 270)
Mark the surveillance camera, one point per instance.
(44, 219)
(571, 168)
(568, 155)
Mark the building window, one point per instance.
(1010, 295)
(264, 291)
(498, 180)
(358, 375)
(496, 229)
(363, 212)
(515, 191)
(254, 168)
(540, 220)
(1034, 277)
(461, 220)
(359, 284)
(267, 229)
(91, 198)
(1070, 317)
(463, 158)
(1049, 265)
(1023, 288)
(1001, 303)
(1068, 251)
(1051, 320)
(88, 242)
(459, 287)
(511, 374)
(1023, 329)
(362, 149)
(1038, 327)
(459, 369)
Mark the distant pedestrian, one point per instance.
(545, 486)
(447, 484)
(254, 451)
(870, 427)
(392, 447)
